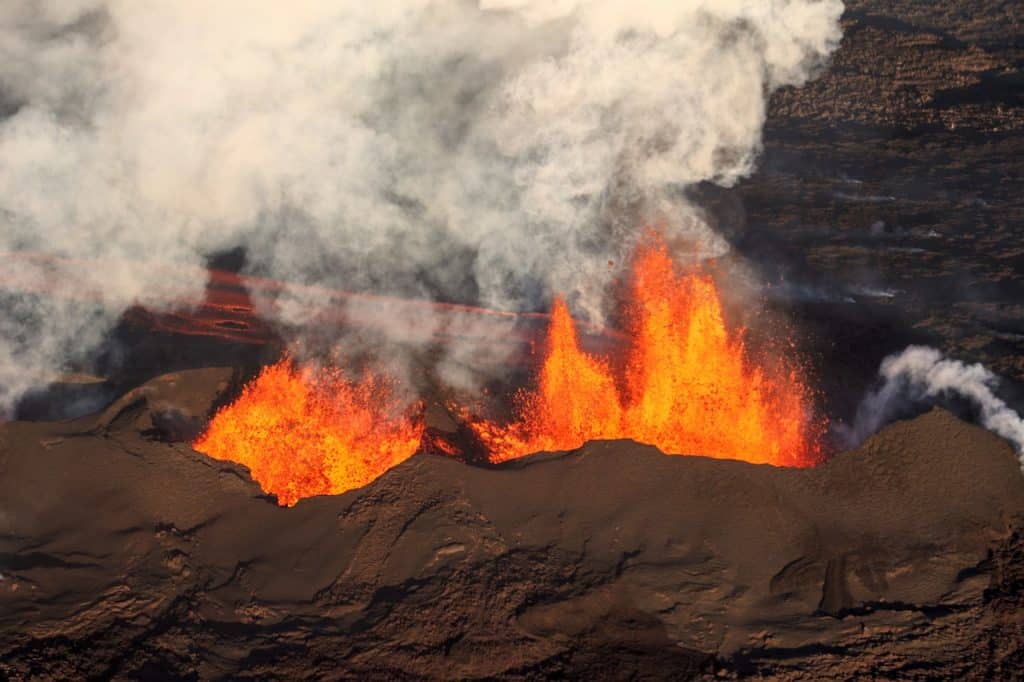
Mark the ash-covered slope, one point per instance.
(130, 557)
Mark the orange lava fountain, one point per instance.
(305, 433)
(688, 386)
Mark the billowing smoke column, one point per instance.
(920, 374)
(492, 153)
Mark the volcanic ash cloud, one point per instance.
(495, 153)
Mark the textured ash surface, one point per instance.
(127, 556)
(889, 207)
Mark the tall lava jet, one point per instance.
(688, 385)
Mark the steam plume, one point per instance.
(493, 152)
(920, 374)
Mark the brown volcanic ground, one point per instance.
(124, 555)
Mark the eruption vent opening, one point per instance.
(306, 432)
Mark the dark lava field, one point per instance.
(889, 202)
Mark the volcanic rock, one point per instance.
(128, 557)
(888, 203)
(173, 407)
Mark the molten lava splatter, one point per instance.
(306, 433)
(688, 386)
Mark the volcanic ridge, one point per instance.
(126, 554)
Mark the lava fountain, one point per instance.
(683, 383)
(686, 384)
(313, 432)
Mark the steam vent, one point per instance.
(510, 339)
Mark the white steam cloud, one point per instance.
(920, 374)
(497, 152)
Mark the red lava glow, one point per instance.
(687, 385)
(303, 433)
(679, 380)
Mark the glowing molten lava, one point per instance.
(687, 385)
(305, 433)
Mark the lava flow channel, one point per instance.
(310, 432)
(686, 384)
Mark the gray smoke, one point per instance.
(921, 374)
(499, 151)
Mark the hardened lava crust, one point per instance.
(127, 555)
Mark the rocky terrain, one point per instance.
(889, 204)
(125, 554)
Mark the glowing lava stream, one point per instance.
(688, 387)
(306, 433)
